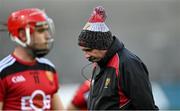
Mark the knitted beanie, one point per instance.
(96, 34)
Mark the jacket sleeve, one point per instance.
(137, 84)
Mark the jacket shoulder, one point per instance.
(127, 56)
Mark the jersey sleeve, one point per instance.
(56, 80)
(2, 90)
(81, 94)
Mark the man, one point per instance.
(120, 79)
(79, 100)
(27, 80)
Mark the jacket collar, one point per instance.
(116, 45)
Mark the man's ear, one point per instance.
(22, 35)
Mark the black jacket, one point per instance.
(120, 81)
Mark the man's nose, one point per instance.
(48, 35)
(86, 55)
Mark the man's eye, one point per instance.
(41, 30)
(88, 50)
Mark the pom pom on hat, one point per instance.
(96, 21)
(95, 33)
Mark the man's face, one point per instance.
(41, 41)
(93, 55)
(41, 38)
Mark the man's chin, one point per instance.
(41, 52)
(93, 59)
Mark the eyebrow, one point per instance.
(41, 25)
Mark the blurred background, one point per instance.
(149, 28)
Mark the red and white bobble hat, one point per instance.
(96, 34)
(97, 21)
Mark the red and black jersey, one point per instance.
(27, 86)
(80, 98)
